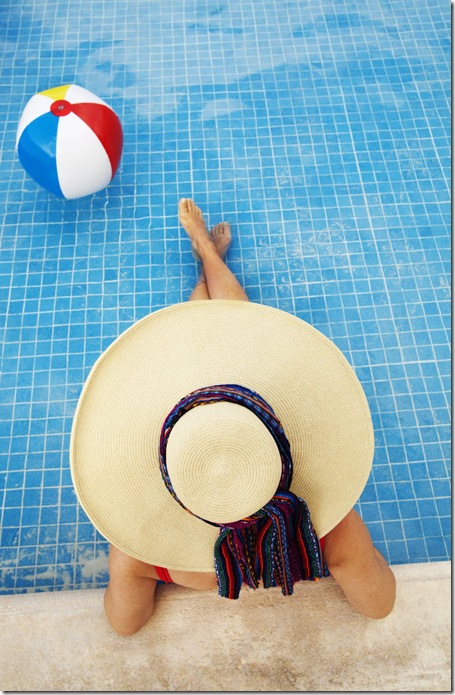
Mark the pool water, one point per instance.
(321, 131)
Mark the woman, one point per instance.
(345, 550)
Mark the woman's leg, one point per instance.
(216, 281)
(200, 289)
(221, 237)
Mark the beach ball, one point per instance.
(69, 141)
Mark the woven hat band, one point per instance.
(222, 462)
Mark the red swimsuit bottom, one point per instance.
(164, 575)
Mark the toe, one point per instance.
(222, 229)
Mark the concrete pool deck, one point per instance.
(61, 641)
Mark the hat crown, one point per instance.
(223, 462)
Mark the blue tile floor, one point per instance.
(321, 131)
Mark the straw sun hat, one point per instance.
(223, 462)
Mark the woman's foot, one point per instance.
(220, 234)
(192, 221)
(216, 281)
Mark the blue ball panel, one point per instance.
(37, 152)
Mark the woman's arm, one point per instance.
(129, 598)
(364, 576)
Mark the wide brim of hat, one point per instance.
(169, 353)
